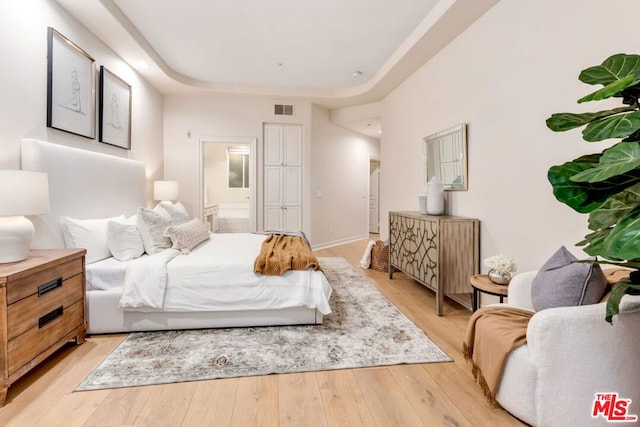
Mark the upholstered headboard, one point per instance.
(83, 185)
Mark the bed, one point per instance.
(85, 185)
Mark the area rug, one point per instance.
(363, 330)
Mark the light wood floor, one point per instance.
(438, 394)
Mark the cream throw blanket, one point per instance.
(280, 253)
(493, 332)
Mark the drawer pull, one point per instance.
(49, 286)
(50, 317)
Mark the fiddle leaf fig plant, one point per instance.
(606, 185)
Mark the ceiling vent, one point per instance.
(283, 110)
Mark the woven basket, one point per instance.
(380, 256)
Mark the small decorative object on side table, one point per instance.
(42, 307)
(500, 269)
(482, 283)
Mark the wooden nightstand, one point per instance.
(482, 283)
(42, 307)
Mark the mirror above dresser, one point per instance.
(445, 157)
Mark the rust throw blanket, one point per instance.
(491, 335)
(280, 253)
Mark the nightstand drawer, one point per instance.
(24, 314)
(22, 287)
(54, 325)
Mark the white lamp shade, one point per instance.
(23, 193)
(165, 190)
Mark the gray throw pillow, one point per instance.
(561, 282)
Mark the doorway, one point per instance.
(228, 184)
(374, 195)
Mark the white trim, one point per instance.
(339, 242)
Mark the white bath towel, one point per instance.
(365, 262)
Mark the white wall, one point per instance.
(188, 119)
(336, 160)
(340, 172)
(23, 85)
(504, 76)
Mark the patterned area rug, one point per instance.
(363, 330)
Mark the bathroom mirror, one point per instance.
(445, 157)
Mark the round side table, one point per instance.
(482, 283)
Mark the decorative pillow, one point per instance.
(151, 225)
(123, 237)
(90, 234)
(561, 282)
(177, 212)
(188, 235)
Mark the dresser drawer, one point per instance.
(27, 285)
(25, 314)
(39, 338)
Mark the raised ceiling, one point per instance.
(315, 45)
(333, 52)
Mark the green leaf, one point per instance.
(624, 240)
(585, 197)
(633, 137)
(629, 95)
(616, 160)
(574, 194)
(620, 289)
(594, 242)
(614, 68)
(561, 122)
(609, 90)
(618, 126)
(615, 208)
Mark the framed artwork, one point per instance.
(115, 110)
(71, 83)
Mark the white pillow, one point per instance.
(188, 235)
(177, 212)
(124, 239)
(151, 225)
(90, 234)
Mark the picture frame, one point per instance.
(115, 110)
(71, 83)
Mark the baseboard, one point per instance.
(331, 244)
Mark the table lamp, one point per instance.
(165, 191)
(21, 193)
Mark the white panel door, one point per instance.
(292, 148)
(273, 144)
(292, 186)
(374, 185)
(273, 218)
(273, 186)
(292, 218)
(282, 177)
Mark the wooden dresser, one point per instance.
(42, 307)
(441, 252)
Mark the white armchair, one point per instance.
(571, 354)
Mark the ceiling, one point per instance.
(333, 52)
(281, 43)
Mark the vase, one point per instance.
(422, 202)
(499, 277)
(435, 197)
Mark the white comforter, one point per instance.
(218, 276)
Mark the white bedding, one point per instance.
(216, 276)
(105, 275)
